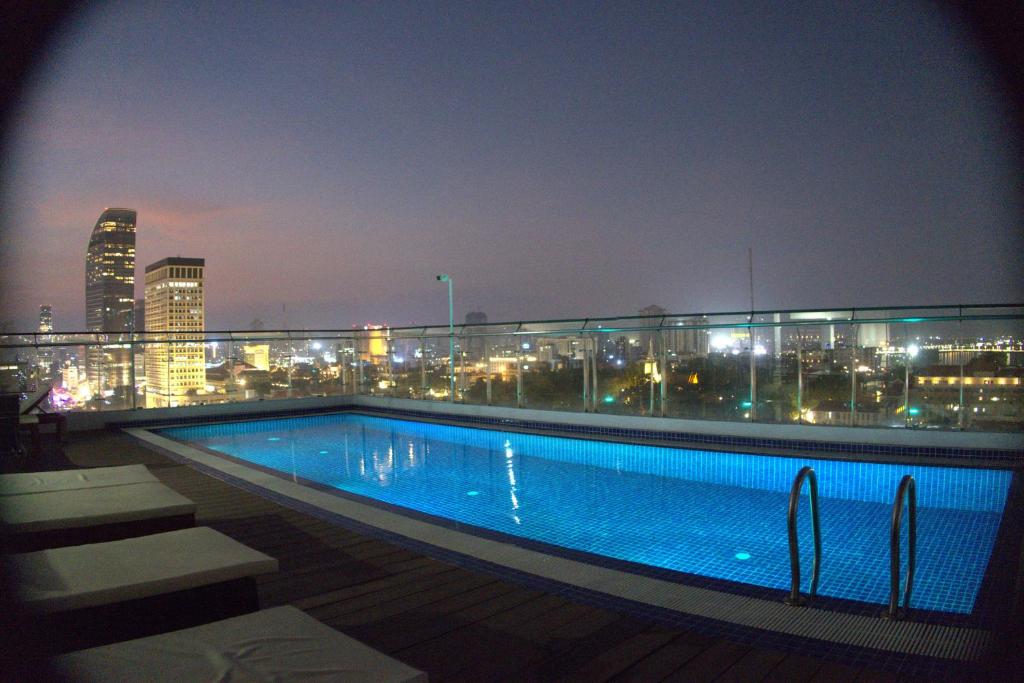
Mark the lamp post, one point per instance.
(912, 350)
(451, 338)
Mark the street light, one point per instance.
(912, 350)
(451, 337)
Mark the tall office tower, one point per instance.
(45, 319)
(176, 366)
(109, 300)
(476, 347)
(44, 356)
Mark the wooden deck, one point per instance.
(454, 624)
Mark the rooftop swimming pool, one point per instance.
(710, 513)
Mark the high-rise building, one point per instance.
(110, 298)
(175, 317)
(45, 319)
(44, 355)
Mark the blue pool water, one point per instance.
(716, 514)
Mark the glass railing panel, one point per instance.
(993, 370)
(551, 370)
(493, 361)
(630, 373)
(837, 367)
(405, 365)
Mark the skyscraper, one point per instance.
(175, 370)
(110, 299)
(45, 319)
(44, 355)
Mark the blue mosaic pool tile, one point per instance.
(707, 513)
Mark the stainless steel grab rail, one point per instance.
(794, 543)
(907, 489)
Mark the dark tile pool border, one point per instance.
(896, 662)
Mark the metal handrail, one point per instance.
(794, 543)
(907, 489)
(632, 324)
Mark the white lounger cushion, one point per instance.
(280, 644)
(102, 573)
(49, 510)
(66, 480)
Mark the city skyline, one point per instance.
(557, 162)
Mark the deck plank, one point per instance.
(664, 661)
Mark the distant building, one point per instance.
(257, 356)
(373, 343)
(44, 355)
(476, 347)
(176, 370)
(110, 298)
(692, 338)
(45, 319)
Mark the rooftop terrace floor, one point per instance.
(455, 624)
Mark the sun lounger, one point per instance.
(31, 421)
(280, 644)
(87, 595)
(49, 519)
(64, 480)
(33, 399)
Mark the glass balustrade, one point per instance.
(937, 367)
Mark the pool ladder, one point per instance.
(905, 491)
(795, 598)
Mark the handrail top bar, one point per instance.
(470, 329)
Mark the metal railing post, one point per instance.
(519, 380)
(131, 350)
(652, 365)
(392, 389)
(359, 365)
(462, 369)
(753, 375)
(799, 384)
(487, 360)
(586, 379)
(795, 598)
(960, 405)
(853, 379)
(664, 370)
(423, 369)
(907, 489)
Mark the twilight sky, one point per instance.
(558, 159)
